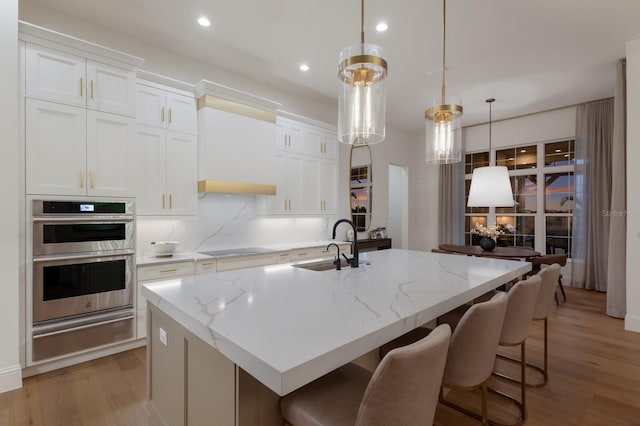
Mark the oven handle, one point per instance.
(85, 256)
(82, 327)
(84, 219)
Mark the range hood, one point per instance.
(236, 187)
(236, 141)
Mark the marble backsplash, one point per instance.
(230, 221)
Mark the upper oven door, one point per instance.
(81, 235)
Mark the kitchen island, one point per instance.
(228, 344)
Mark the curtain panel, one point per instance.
(592, 199)
(617, 264)
(451, 204)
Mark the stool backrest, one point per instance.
(547, 291)
(404, 388)
(522, 302)
(474, 342)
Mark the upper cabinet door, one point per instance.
(110, 154)
(55, 148)
(55, 75)
(181, 113)
(151, 109)
(150, 170)
(328, 145)
(111, 89)
(182, 183)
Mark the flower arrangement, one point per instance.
(491, 232)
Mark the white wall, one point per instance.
(401, 149)
(545, 126)
(10, 373)
(632, 319)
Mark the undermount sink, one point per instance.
(324, 265)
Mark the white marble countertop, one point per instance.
(194, 256)
(287, 326)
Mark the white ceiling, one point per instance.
(531, 55)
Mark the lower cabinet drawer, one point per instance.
(240, 262)
(206, 267)
(301, 254)
(166, 270)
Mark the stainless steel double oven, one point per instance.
(83, 263)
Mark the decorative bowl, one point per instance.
(164, 248)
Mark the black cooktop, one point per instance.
(236, 251)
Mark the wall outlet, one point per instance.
(163, 336)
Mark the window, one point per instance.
(360, 196)
(543, 184)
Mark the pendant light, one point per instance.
(490, 186)
(444, 121)
(362, 70)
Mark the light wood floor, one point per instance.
(594, 380)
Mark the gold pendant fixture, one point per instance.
(362, 70)
(444, 121)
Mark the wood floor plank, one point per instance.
(594, 369)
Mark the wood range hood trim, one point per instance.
(225, 187)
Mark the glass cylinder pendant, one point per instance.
(443, 134)
(362, 97)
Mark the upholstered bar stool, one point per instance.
(520, 309)
(550, 259)
(544, 304)
(472, 351)
(403, 389)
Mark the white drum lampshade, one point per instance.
(490, 187)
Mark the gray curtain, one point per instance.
(451, 204)
(617, 264)
(592, 199)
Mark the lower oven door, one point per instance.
(77, 285)
(69, 336)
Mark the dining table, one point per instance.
(515, 253)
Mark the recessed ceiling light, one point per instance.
(381, 27)
(204, 21)
(304, 67)
(523, 150)
(558, 150)
(566, 155)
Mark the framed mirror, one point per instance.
(360, 187)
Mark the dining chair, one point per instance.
(544, 303)
(520, 309)
(403, 390)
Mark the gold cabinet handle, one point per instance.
(166, 271)
(91, 89)
(285, 204)
(91, 178)
(162, 115)
(170, 195)
(169, 115)
(81, 86)
(82, 178)
(163, 201)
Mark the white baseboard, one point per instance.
(10, 378)
(632, 323)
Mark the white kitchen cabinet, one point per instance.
(110, 159)
(206, 266)
(290, 196)
(56, 148)
(328, 184)
(166, 172)
(63, 77)
(72, 151)
(168, 109)
(305, 139)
